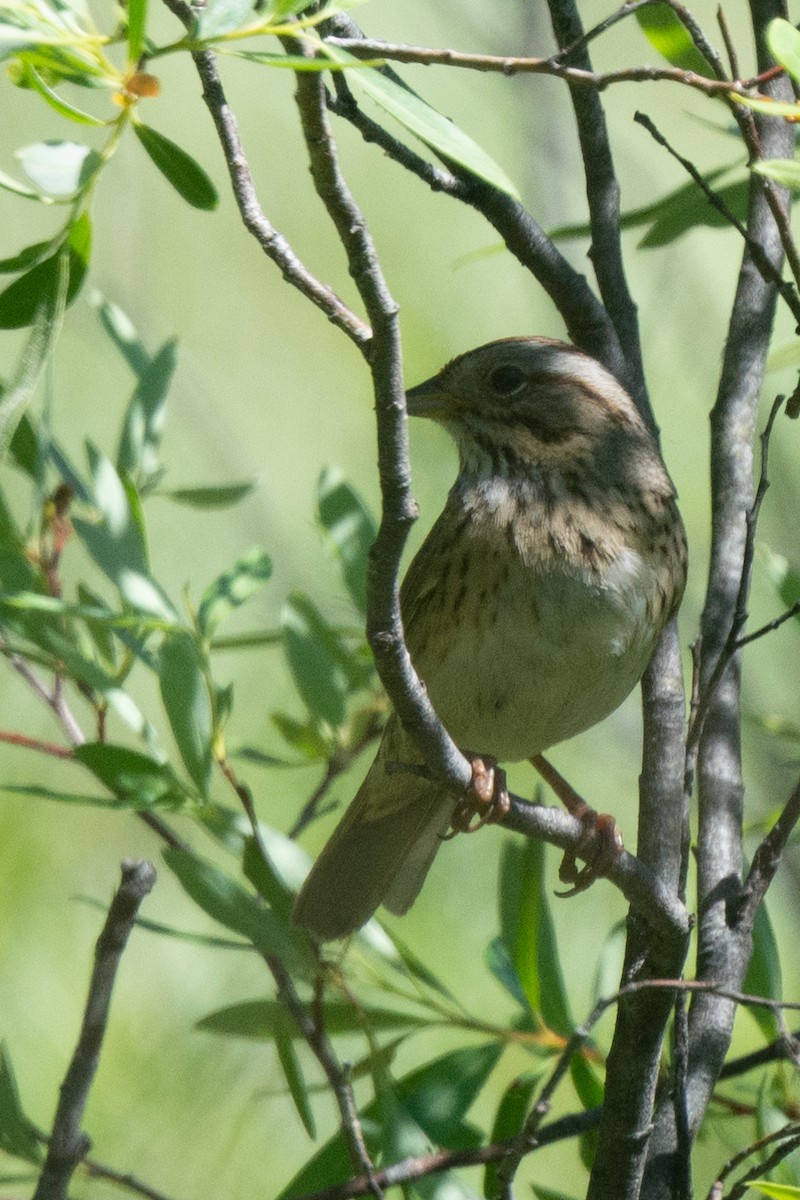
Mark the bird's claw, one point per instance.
(600, 846)
(486, 798)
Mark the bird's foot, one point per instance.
(600, 844)
(485, 800)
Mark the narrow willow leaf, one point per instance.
(21, 300)
(257, 1020)
(188, 706)
(215, 495)
(61, 106)
(58, 167)
(122, 332)
(670, 37)
(293, 1072)
(220, 17)
(137, 19)
(26, 258)
(138, 453)
(227, 902)
(179, 168)
(314, 659)
(436, 131)
(9, 184)
(590, 1093)
(508, 1122)
(785, 171)
(134, 778)
(440, 1094)
(530, 937)
(351, 527)
(304, 737)
(775, 1191)
(763, 976)
(47, 320)
(783, 42)
(232, 589)
(17, 1132)
(771, 108)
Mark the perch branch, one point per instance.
(68, 1145)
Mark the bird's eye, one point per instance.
(507, 379)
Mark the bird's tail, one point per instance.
(382, 848)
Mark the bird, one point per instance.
(530, 611)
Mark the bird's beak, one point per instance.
(429, 399)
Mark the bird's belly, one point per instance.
(536, 664)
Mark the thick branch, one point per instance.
(725, 942)
(68, 1145)
(602, 194)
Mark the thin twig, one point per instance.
(739, 618)
(768, 855)
(68, 1145)
(411, 1169)
(53, 699)
(769, 273)
(789, 1130)
(309, 1024)
(769, 627)
(730, 48)
(509, 64)
(271, 241)
(770, 1162)
(32, 743)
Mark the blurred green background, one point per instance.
(267, 387)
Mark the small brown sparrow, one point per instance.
(531, 609)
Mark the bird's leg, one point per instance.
(486, 797)
(600, 844)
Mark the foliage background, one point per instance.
(266, 387)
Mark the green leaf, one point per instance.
(690, 209)
(293, 1072)
(187, 703)
(529, 934)
(304, 737)
(783, 42)
(220, 17)
(435, 1097)
(440, 1094)
(59, 168)
(784, 577)
(23, 298)
(436, 131)
(232, 589)
(144, 419)
(122, 332)
(34, 79)
(19, 189)
(775, 1191)
(227, 902)
(17, 1133)
(26, 258)
(215, 495)
(666, 32)
(352, 529)
(47, 319)
(24, 447)
(324, 670)
(511, 1114)
(116, 542)
(498, 960)
(137, 18)
(134, 778)
(763, 976)
(257, 1020)
(35, 792)
(179, 168)
(590, 1093)
(785, 171)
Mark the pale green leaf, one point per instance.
(783, 42)
(58, 167)
(233, 588)
(436, 131)
(188, 706)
